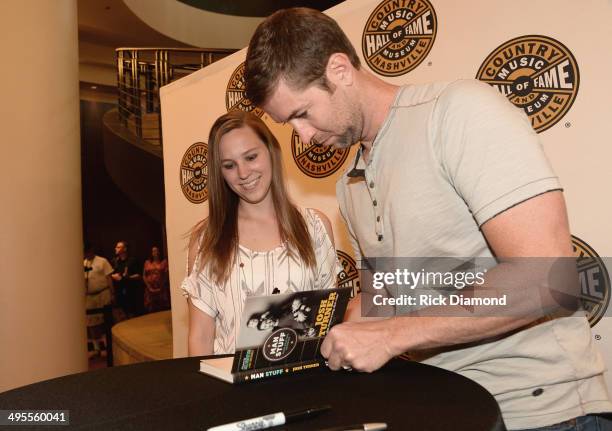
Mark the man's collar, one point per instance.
(357, 172)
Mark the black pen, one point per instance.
(271, 420)
(359, 427)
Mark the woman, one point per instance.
(254, 241)
(155, 276)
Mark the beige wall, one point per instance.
(578, 145)
(42, 321)
(185, 23)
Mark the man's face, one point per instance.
(120, 249)
(319, 116)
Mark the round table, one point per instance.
(173, 395)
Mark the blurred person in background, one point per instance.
(127, 276)
(155, 277)
(98, 293)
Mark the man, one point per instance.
(443, 170)
(98, 290)
(127, 277)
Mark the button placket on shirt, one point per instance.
(371, 186)
(369, 174)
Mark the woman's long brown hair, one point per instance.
(218, 234)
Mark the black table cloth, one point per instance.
(173, 395)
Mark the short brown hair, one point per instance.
(294, 44)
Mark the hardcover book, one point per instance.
(280, 335)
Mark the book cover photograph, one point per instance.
(282, 334)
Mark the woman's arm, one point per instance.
(145, 279)
(201, 332)
(201, 325)
(325, 252)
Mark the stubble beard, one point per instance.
(351, 134)
(346, 140)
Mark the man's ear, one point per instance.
(339, 70)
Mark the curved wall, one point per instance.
(186, 23)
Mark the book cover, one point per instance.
(281, 335)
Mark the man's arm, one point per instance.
(537, 227)
(116, 276)
(135, 271)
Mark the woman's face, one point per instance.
(155, 252)
(246, 165)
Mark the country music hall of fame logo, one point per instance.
(316, 161)
(194, 173)
(349, 275)
(398, 35)
(537, 74)
(235, 94)
(594, 281)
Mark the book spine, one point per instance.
(278, 371)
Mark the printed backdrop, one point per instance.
(550, 58)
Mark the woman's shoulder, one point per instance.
(315, 213)
(317, 217)
(195, 243)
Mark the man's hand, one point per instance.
(362, 346)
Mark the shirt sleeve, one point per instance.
(488, 149)
(325, 253)
(199, 289)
